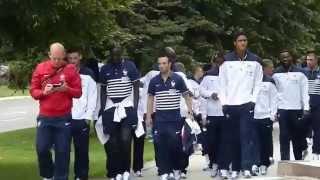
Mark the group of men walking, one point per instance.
(234, 103)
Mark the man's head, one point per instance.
(267, 66)
(286, 58)
(171, 54)
(217, 59)
(180, 67)
(116, 54)
(312, 59)
(57, 54)
(197, 72)
(240, 41)
(74, 57)
(164, 64)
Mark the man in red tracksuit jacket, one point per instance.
(54, 83)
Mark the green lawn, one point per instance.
(18, 156)
(6, 92)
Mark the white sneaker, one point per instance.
(206, 167)
(118, 177)
(255, 170)
(234, 175)
(164, 177)
(199, 147)
(47, 178)
(271, 160)
(315, 157)
(177, 174)
(183, 176)
(263, 170)
(214, 170)
(224, 174)
(305, 154)
(138, 174)
(309, 141)
(171, 176)
(126, 176)
(247, 174)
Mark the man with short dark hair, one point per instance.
(240, 76)
(293, 106)
(214, 118)
(54, 83)
(313, 74)
(264, 114)
(82, 113)
(165, 90)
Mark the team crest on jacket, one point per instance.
(173, 84)
(125, 72)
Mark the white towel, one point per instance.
(195, 128)
(120, 111)
(103, 138)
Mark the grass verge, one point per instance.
(18, 156)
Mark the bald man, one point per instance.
(54, 84)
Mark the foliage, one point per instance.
(197, 29)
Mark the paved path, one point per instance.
(17, 113)
(197, 163)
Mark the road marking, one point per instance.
(14, 98)
(12, 119)
(13, 113)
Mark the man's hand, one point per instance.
(306, 114)
(190, 115)
(252, 105)
(149, 120)
(204, 122)
(214, 96)
(48, 89)
(224, 109)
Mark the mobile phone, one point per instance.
(57, 85)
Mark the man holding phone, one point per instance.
(54, 84)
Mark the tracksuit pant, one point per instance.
(138, 149)
(184, 161)
(202, 137)
(80, 130)
(315, 124)
(53, 133)
(292, 128)
(167, 139)
(264, 128)
(118, 149)
(214, 139)
(239, 148)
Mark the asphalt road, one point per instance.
(17, 114)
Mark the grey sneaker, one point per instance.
(263, 170)
(305, 154)
(255, 170)
(247, 174)
(224, 174)
(138, 174)
(234, 175)
(214, 170)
